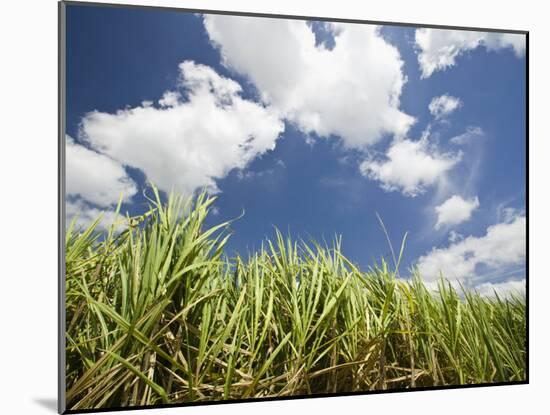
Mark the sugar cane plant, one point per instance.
(158, 313)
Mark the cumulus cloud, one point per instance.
(410, 166)
(440, 107)
(84, 214)
(95, 177)
(467, 136)
(187, 144)
(502, 289)
(503, 245)
(455, 210)
(439, 48)
(351, 90)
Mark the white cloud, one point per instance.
(504, 244)
(496, 41)
(470, 134)
(455, 237)
(439, 48)
(86, 214)
(187, 145)
(95, 177)
(170, 99)
(442, 106)
(410, 166)
(507, 213)
(455, 210)
(351, 91)
(502, 289)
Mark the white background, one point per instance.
(28, 204)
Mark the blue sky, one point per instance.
(328, 132)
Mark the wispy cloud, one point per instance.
(467, 136)
(442, 106)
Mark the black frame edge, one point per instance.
(527, 205)
(61, 102)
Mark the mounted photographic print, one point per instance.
(258, 207)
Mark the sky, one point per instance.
(313, 128)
